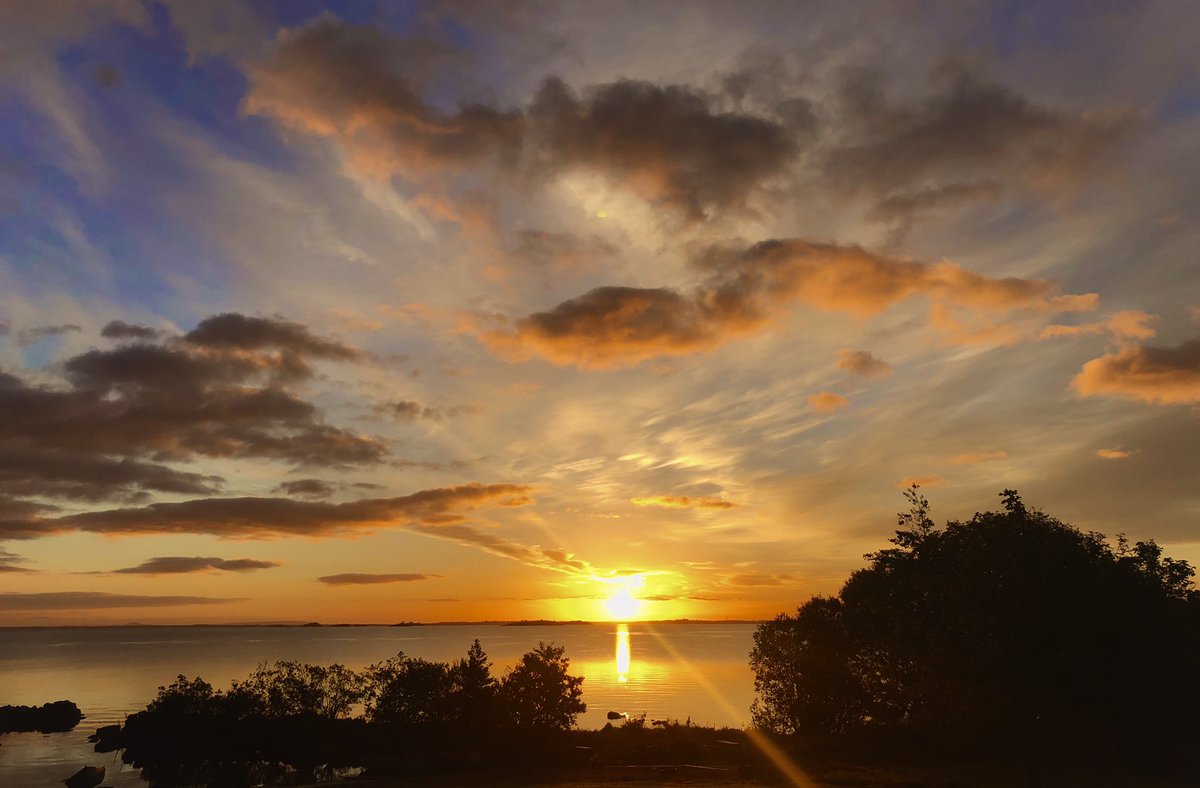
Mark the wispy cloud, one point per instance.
(360, 579)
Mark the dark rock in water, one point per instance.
(61, 715)
(87, 777)
(109, 738)
(616, 715)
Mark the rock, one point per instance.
(62, 715)
(87, 777)
(616, 715)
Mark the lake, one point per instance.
(665, 670)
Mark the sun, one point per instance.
(622, 605)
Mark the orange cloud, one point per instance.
(860, 362)
(1159, 375)
(684, 502)
(1113, 454)
(827, 402)
(1128, 324)
(744, 289)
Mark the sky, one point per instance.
(379, 312)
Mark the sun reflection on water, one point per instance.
(624, 655)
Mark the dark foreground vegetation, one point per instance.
(1010, 649)
(1011, 638)
(61, 715)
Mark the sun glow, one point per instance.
(622, 604)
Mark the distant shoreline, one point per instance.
(319, 625)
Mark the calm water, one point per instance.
(663, 670)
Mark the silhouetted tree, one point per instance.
(539, 692)
(186, 696)
(287, 689)
(409, 690)
(997, 632)
(474, 692)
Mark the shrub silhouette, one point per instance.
(1007, 633)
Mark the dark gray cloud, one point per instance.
(306, 488)
(969, 139)
(360, 86)
(120, 330)
(665, 143)
(96, 600)
(271, 517)
(177, 401)
(860, 362)
(60, 473)
(127, 414)
(359, 579)
(27, 336)
(411, 410)
(175, 565)
(243, 332)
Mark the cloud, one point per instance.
(553, 559)
(1158, 375)
(860, 362)
(663, 143)
(306, 488)
(224, 390)
(272, 517)
(543, 251)
(96, 600)
(61, 473)
(684, 502)
(969, 139)
(10, 562)
(1113, 454)
(356, 579)
(241, 332)
(827, 402)
(1128, 324)
(410, 410)
(975, 457)
(754, 579)
(363, 89)
(175, 565)
(358, 86)
(744, 289)
(120, 330)
(28, 336)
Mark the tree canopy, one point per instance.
(998, 632)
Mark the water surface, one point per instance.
(665, 671)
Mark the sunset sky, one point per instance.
(483, 310)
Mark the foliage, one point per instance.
(186, 696)
(286, 689)
(409, 690)
(1001, 631)
(539, 693)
